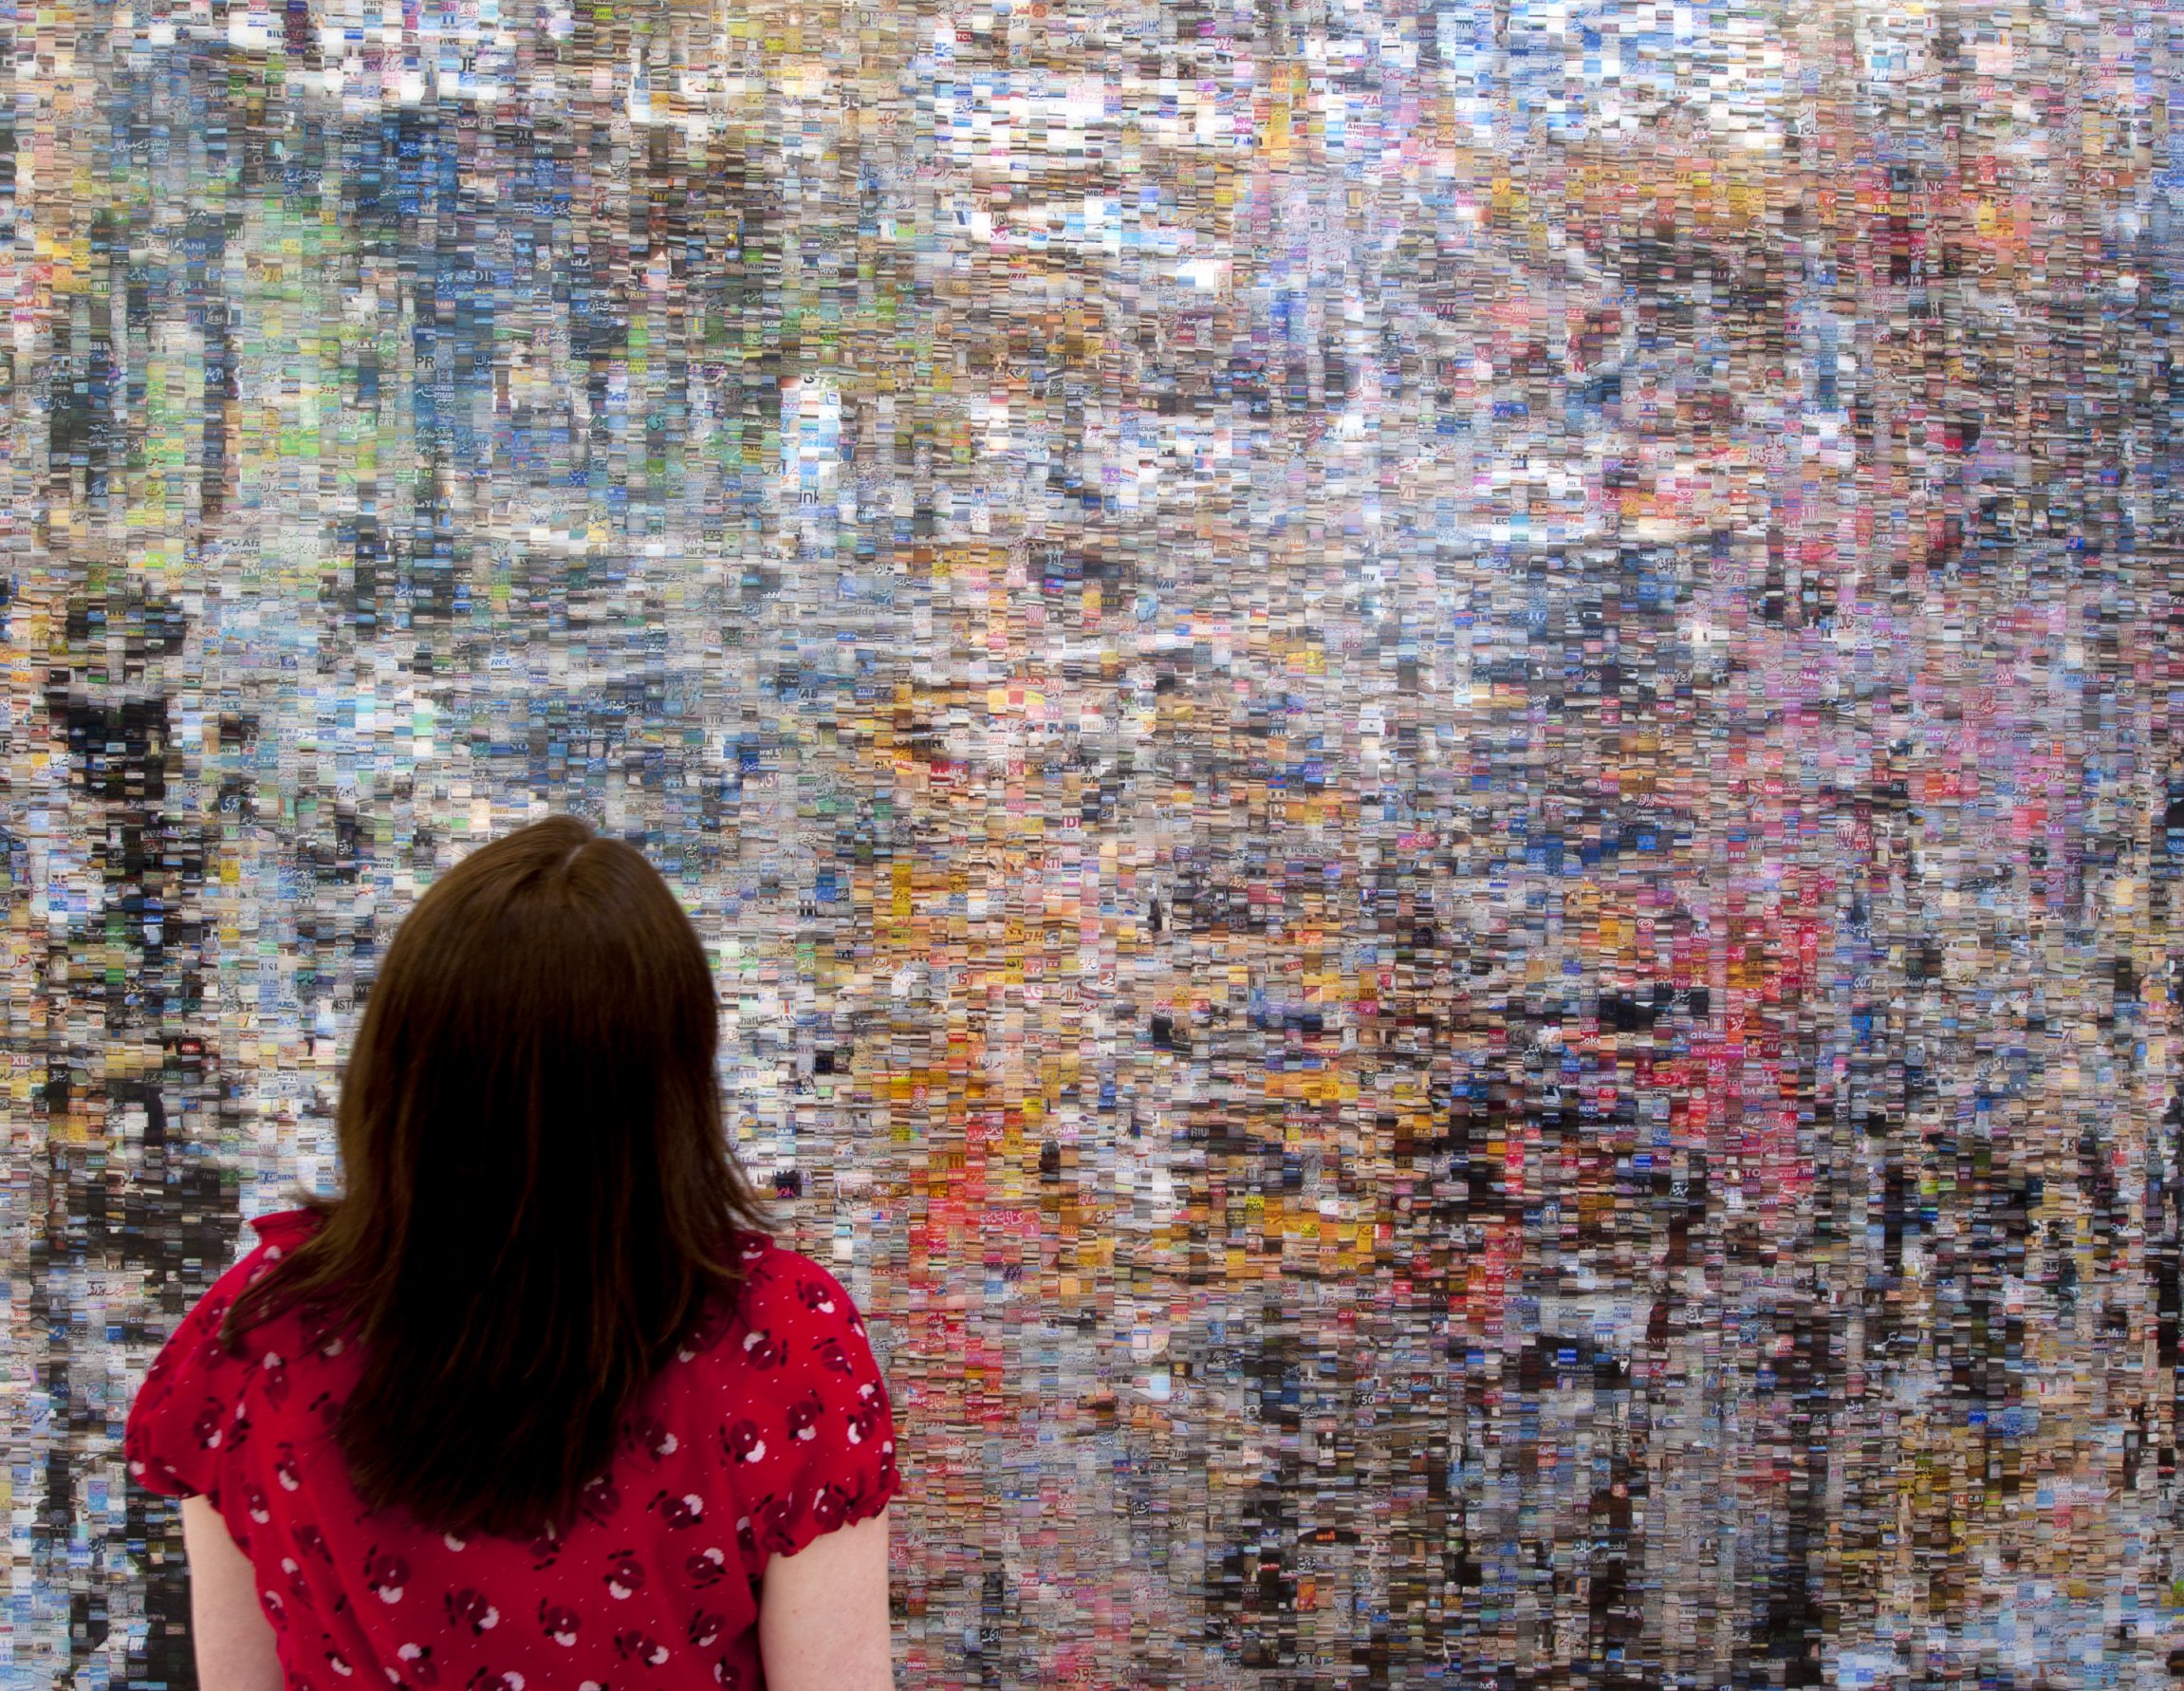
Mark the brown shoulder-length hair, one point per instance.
(540, 1202)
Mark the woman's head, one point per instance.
(539, 1199)
(536, 1059)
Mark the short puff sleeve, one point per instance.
(189, 1415)
(810, 1444)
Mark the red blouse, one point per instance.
(770, 1429)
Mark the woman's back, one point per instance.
(771, 1426)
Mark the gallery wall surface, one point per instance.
(1429, 753)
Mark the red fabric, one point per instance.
(768, 1429)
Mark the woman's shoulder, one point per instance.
(779, 1274)
(785, 1403)
(183, 1412)
(283, 1230)
(277, 1237)
(278, 1234)
(782, 1293)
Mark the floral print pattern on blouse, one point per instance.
(771, 1426)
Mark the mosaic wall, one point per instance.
(1430, 750)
